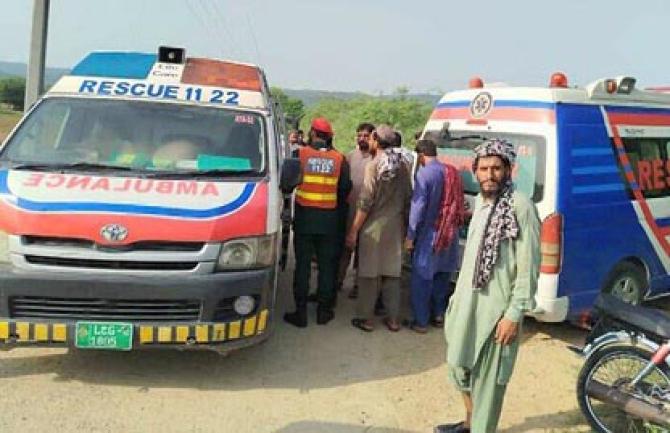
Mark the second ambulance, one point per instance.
(596, 161)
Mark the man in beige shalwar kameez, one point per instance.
(496, 285)
(379, 225)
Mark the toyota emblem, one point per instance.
(114, 232)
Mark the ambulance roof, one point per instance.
(594, 93)
(231, 83)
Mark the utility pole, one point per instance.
(38, 51)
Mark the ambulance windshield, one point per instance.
(142, 136)
(457, 147)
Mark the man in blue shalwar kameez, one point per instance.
(437, 198)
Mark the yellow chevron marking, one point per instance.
(59, 331)
(219, 332)
(23, 330)
(146, 334)
(262, 320)
(202, 333)
(182, 334)
(164, 334)
(4, 330)
(234, 329)
(250, 326)
(41, 332)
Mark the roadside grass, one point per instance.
(8, 119)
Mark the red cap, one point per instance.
(322, 125)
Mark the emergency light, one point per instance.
(558, 79)
(475, 83)
(171, 55)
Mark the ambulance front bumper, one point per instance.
(184, 312)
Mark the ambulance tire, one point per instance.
(627, 282)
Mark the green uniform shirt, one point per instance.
(473, 314)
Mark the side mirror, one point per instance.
(291, 175)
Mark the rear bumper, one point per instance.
(549, 307)
(209, 329)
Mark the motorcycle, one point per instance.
(624, 384)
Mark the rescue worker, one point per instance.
(326, 183)
(496, 286)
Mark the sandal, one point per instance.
(393, 327)
(362, 324)
(458, 427)
(418, 329)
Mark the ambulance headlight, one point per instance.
(247, 253)
(4, 247)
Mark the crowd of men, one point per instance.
(380, 199)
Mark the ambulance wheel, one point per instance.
(627, 282)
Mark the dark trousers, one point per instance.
(429, 297)
(326, 249)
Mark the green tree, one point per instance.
(12, 92)
(293, 108)
(400, 111)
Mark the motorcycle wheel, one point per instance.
(616, 366)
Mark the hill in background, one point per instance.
(10, 69)
(308, 97)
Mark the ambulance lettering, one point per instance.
(653, 174)
(141, 186)
(159, 91)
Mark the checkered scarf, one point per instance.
(501, 223)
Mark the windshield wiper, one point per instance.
(203, 173)
(72, 166)
(468, 137)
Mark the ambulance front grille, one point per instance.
(137, 246)
(104, 309)
(111, 264)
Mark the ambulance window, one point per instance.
(648, 158)
(142, 135)
(528, 173)
(43, 133)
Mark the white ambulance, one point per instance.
(140, 207)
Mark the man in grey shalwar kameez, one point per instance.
(496, 285)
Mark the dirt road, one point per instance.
(322, 379)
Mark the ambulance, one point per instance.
(596, 162)
(140, 203)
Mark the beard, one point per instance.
(364, 146)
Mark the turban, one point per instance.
(495, 147)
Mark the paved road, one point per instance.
(322, 379)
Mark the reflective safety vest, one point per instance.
(321, 171)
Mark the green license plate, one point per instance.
(104, 335)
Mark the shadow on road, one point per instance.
(311, 358)
(564, 332)
(570, 421)
(331, 427)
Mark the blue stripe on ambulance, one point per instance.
(115, 65)
(600, 225)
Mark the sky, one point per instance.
(373, 46)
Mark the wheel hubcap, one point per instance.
(627, 289)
